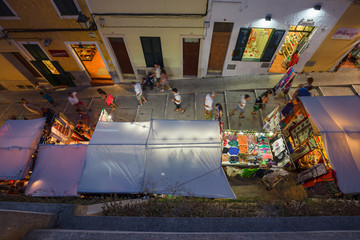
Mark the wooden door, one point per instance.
(219, 46)
(121, 54)
(191, 48)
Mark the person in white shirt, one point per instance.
(75, 101)
(157, 74)
(208, 104)
(138, 92)
(177, 101)
(241, 105)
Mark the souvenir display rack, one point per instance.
(307, 151)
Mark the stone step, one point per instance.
(15, 224)
(65, 234)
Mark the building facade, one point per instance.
(43, 42)
(259, 37)
(339, 44)
(140, 33)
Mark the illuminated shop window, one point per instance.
(256, 44)
(50, 66)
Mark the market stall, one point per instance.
(323, 136)
(18, 142)
(57, 171)
(161, 156)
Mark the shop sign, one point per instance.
(345, 33)
(308, 22)
(58, 53)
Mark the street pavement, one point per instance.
(193, 91)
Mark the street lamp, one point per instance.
(83, 20)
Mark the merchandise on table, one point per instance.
(245, 149)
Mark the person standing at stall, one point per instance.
(261, 101)
(241, 106)
(208, 104)
(138, 92)
(177, 101)
(308, 85)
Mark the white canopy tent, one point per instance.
(338, 120)
(57, 171)
(161, 156)
(18, 141)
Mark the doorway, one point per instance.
(351, 60)
(51, 70)
(297, 38)
(191, 47)
(122, 57)
(219, 46)
(91, 59)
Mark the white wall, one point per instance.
(251, 13)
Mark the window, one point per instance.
(66, 8)
(257, 44)
(6, 11)
(152, 51)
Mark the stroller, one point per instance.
(148, 80)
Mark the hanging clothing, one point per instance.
(294, 60)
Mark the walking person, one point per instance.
(208, 104)
(177, 101)
(108, 98)
(261, 101)
(156, 74)
(241, 105)
(40, 88)
(138, 92)
(31, 106)
(76, 102)
(164, 81)
(46, 96)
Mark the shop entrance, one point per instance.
(91, 59)
(219, 46)
(351, 60)
(297, 38)
(191, 48)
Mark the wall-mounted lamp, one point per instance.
(83, 20)
(317, 7)
(268, 17)
(47, 42)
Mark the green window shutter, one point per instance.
(64, 78)
(36, 51)
(39, 65)
(272, 45)
(241, 43)
(66, 7)
(5, 10)
(152, 51)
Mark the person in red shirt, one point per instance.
(294, 59)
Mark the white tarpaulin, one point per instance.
(18, 141)
(161, 156)
(57, 171)
(338, 120)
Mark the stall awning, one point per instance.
(337, 119)
(161, 156)
(18, 141)
(57, 171)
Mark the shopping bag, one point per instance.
(109, 99)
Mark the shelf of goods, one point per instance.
(291, 43)
(306, 147)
